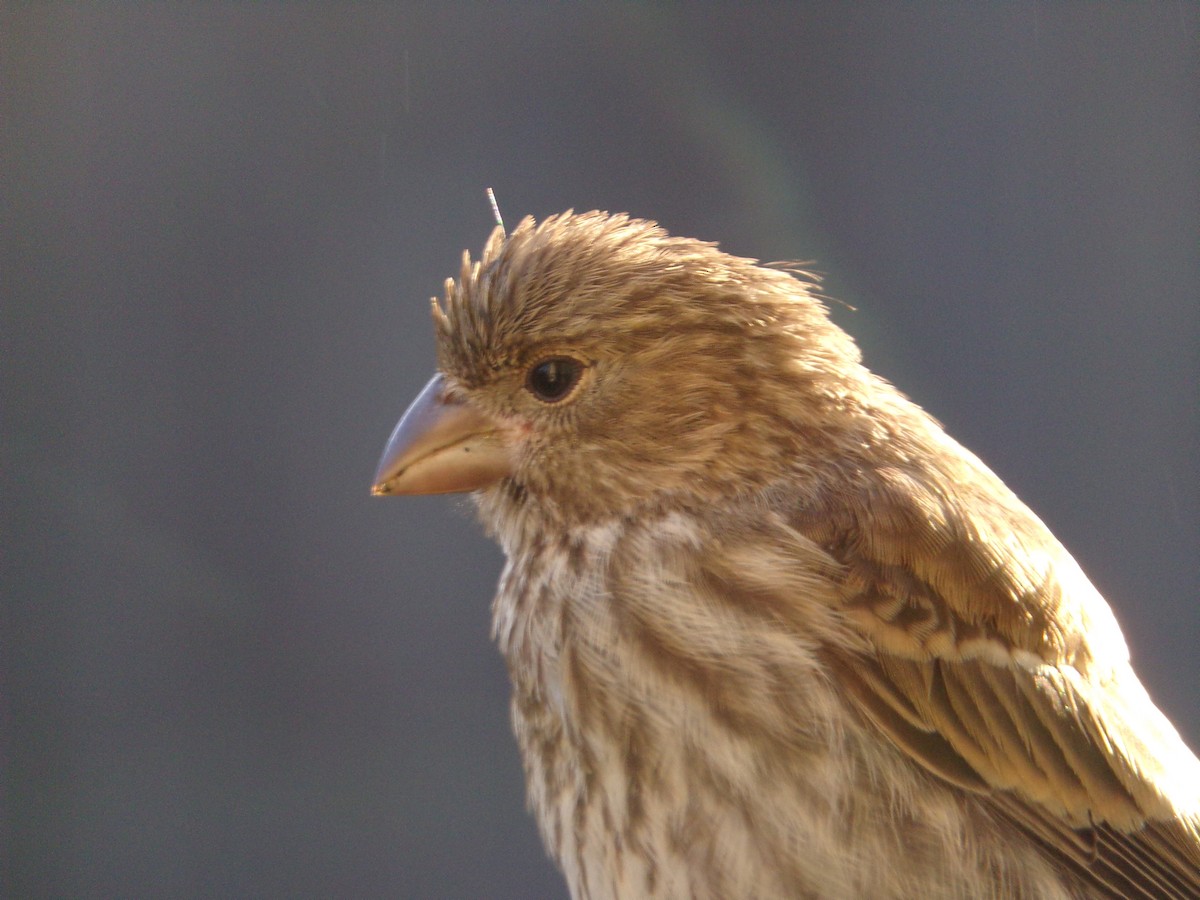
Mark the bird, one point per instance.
(771, 631)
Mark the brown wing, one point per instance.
(997, 667)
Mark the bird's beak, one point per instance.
(442, 446)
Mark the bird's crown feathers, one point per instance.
(584, 274)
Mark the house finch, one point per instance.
(771, 632)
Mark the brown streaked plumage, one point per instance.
(771, 632)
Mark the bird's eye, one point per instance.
(552, 379)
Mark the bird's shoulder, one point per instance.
(970, 637)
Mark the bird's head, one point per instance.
(594, 365)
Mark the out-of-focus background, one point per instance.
(225, 670)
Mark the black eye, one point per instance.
(552, 379)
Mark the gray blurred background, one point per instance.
(225, 670)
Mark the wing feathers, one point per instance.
(998, 668)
